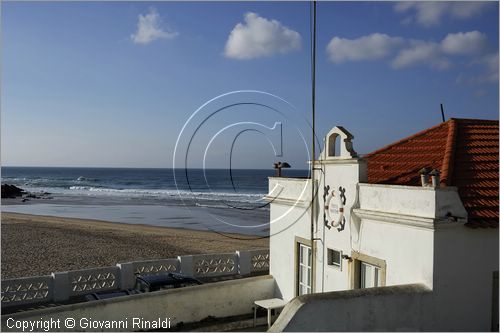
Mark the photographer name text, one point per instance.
(47, 325)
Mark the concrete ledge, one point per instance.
(354, 310)
(401, 219)
(189, 304)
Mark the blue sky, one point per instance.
(113, 83)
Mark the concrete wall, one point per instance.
(61, 286)
(373, 309)
(295, 190)
(460, 301)
(371, 229)
(465, 260)
(411, 200)
(387, 222)
(390, 223)
(283, 252)
(190, 304)
(290, 218)
(407, 251)
(27, 290)
(420, 236)
(345, 173)
(398, 199)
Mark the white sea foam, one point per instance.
(161, 193)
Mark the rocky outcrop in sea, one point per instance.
(12, 191)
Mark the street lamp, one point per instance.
(279, 165)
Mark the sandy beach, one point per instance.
(38, 245)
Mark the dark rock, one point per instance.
(11, 191)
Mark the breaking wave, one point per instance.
(159, 193)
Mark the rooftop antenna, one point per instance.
(442, 112)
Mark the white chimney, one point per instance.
(424, 176)
(435, 178)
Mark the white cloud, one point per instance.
(149, 29)
(433, 54)
(464, 9)
(405, 53)
(421, 52)
(490, 64)
(427, 13)
(260, 37)
(472, 42)
(430, 13)
(374, 46)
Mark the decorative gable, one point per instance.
(344, 150)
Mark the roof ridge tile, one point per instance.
(449, 152)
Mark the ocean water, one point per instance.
(213, 199)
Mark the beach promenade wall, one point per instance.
(131, 313)
(62, 286)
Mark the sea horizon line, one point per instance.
(129, 168)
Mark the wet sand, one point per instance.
(38, 245)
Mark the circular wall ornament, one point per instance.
(334, 207)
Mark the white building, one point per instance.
(379, 223)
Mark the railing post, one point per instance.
(61, 286)
(127, 276)
(186, 265)
(244, 262)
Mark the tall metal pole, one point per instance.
(313, 194)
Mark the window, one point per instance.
(370, 275)
(304, 267)
(334, 258)
(366, 271)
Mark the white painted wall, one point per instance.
(418, 231)
(398, 199)
(289, 218)
(345, 173)
(460, 300)
(411, 200)
(396, 244)
(408, 251)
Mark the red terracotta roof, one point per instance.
(466, 153)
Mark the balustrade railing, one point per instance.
(61, 286)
